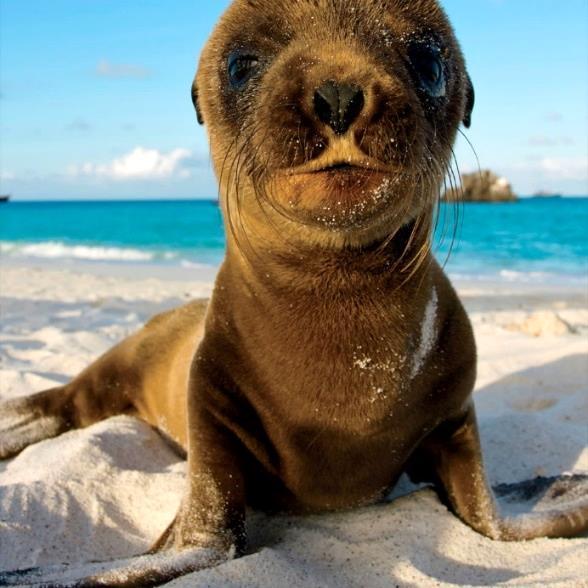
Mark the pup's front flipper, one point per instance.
(566, 488)
(147, 570)
(454, 456)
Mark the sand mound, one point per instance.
(93, 494)
(543, 324)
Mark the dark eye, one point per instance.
(428, 65)
(241, 68)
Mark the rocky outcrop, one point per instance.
(484, 186)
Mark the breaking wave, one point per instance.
(60, 250)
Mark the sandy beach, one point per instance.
(108, 491)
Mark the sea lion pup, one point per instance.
(334, 353)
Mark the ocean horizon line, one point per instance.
(14, 200)
(215, 200)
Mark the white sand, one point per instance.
(110, 490)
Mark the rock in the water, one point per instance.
(484, 186)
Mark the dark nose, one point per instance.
(338, 105)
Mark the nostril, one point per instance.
(351, 102)
(338, 105)
(326, 102)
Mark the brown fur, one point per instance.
(300, 389)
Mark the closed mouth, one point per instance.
(339, 167)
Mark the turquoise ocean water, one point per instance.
(534, 240)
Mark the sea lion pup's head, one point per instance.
(331, 122)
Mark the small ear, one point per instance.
(195, 102)
(470, 101)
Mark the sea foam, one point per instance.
(59, 250)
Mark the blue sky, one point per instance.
(95, 102)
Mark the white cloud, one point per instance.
(556, 168)
(547, 141)
(140, 164)
(554, 116)
(105, 69)
(565, 168)
(80, 125)
(6, 175)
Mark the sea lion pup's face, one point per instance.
(333, 119)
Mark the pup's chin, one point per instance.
(339, 199)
